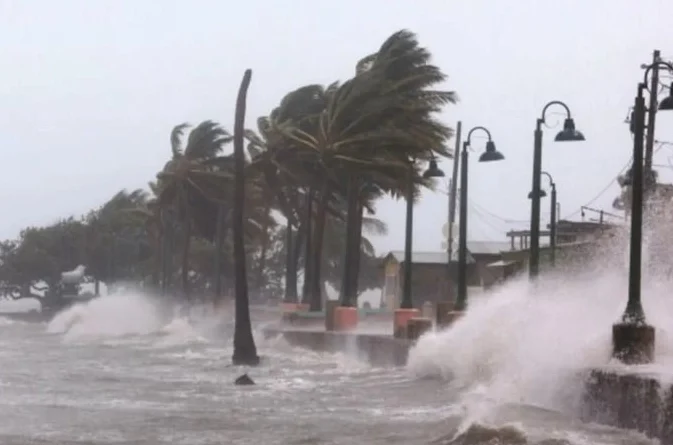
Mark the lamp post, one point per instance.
(433, 171)
(491, 154)
(406, 310)
(666, 104)
(552, 217)
(552, 224)
(568, 134)
(632, 338)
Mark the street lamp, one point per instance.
(651, 110)
(667, 103)
(433, 171)
(491, 154)
(552, 216)
(568, 134)
(406, 310)
(633, 338)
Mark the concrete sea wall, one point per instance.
(631, 399)
(623, 397)
(378, 350)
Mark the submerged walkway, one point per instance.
(371, 344)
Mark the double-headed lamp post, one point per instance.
(491, 154)
(568, 134)
(632, 338)
(552, 217)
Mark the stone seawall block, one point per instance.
(377, 350)
(631, 400)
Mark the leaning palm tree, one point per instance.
(372, 130)
(189, 179)
(288, 178)
(245, 351)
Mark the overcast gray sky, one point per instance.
(90, 89)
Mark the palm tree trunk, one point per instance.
(299, 241)
(219, 243)
(157, 260)
(290, 271)
(308, 234)
(245, 351)
(318, 235)
(186, 245)
(167, 253)
(261, 264)
(347, 296)
(357, 253)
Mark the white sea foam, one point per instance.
(531, 344)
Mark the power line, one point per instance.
(506, 220)
(486, 222)
(605, 189)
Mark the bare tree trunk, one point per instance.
(245, 351)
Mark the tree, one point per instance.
(370, 131)
(321, 158)
(189, 180)
(245, 351)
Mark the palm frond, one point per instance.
(176, 139)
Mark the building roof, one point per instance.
(473, 248)
(501, 263)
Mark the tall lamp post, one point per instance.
(433, 171)
(568, 134)
(406, 310)
(632, 338)
(552, 216)
(666, 104)
(491, 154)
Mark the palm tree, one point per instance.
(370, 130)
(285, 176)
(245, 351)
(190, 179)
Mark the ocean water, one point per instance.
(124, 369)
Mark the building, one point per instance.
(433, 276)
(574, 239)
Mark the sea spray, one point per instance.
(109, 316)
(532, 344)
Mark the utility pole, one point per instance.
(453, 186)
(652, 110)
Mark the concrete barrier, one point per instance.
(377, 350)
(630, 399)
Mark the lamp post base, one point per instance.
(401, 319)
(443, 310)
(345, 318)
(451, 317)
(633, 344)
(294, 307)
(418, 326)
